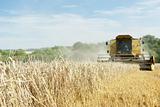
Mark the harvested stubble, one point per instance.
(75, 84)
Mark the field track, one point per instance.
(73, 84)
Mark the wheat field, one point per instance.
(78, 84)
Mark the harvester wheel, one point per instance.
(148, 65)
(152, 59)
(152, 67)
(144, 66)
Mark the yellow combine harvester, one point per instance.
(125, 48)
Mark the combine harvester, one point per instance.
(127, 49)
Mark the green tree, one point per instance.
(152, 45)
(20, 52)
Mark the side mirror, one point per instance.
(106, 43)
(142, 42)
(107, 51)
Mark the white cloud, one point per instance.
(28, 31)
(138, 19)
(61, 29)
(149, 3)
(70, 6)
(143, 9)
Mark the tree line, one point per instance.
(79, 51)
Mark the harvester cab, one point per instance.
(125, 48)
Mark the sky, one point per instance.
(47, 23)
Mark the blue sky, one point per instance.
(46, 23)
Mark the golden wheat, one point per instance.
(77, 84)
